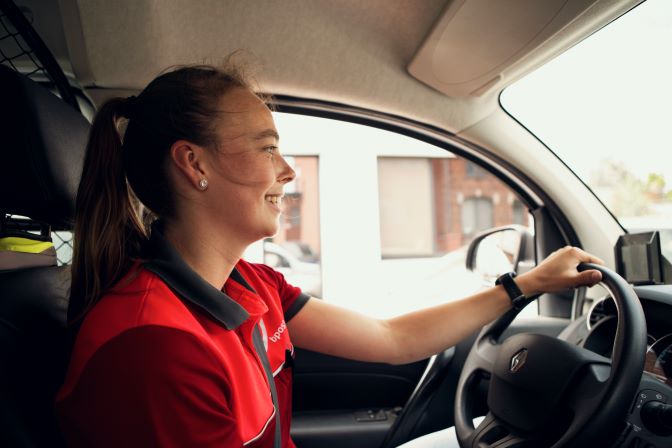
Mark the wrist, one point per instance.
(517, 297)
(527, 284)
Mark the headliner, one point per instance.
(347, 51)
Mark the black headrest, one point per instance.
(42, 145)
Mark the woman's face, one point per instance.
(248, 172)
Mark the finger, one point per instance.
(585, 257)
(589, 278)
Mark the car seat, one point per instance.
(42, 145)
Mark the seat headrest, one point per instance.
(42, 146)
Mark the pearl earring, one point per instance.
(203, 184)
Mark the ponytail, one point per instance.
(109, 231)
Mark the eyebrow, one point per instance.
(267, 133)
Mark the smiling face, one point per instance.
(247, 173)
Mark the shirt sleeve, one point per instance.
(291, 297)
(150, 386)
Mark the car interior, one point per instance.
(587, 367)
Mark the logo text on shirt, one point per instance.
(275, 337)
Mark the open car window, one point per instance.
(379, 222)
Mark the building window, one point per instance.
(518, 213)
(474, 171)
(405, 194)
(477, 215)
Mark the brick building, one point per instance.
(428, 206)
(468, 199)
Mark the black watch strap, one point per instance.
(518, 299)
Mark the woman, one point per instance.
(180, 341)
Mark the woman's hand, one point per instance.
(559, 271)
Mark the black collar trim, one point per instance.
(237, 276)
(165, 262)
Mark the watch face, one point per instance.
(501, 278)
(518, 300)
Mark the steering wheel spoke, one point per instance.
(486, 348)
(485, 352)
(589, 389)
(477, 367)
(492, 432)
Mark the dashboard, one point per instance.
(600, 323)
(596, 331)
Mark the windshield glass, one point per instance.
(605, 108)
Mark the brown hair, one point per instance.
(120, 178)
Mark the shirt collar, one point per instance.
(165, 261)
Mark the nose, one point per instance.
(286, 173)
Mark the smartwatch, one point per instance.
(518, 299)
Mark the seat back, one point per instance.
(41, 153)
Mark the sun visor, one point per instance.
(475, 42)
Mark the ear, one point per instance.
(189, 159)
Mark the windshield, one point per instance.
(605, 108)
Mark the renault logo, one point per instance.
(518, 360)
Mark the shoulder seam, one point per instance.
(143, 301)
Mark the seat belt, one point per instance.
(261, 352)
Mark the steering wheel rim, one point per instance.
(523, 412)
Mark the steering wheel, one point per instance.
(546, 392)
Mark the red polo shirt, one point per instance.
(165, 359)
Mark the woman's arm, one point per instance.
(333, 330)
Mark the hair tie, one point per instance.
(130, 106)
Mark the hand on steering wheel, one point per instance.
(559, 271)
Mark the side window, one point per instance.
(379, 222)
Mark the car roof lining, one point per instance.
(364, 48)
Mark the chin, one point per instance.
(270, 231)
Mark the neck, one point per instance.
(211, 254)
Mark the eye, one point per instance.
(271, 149)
